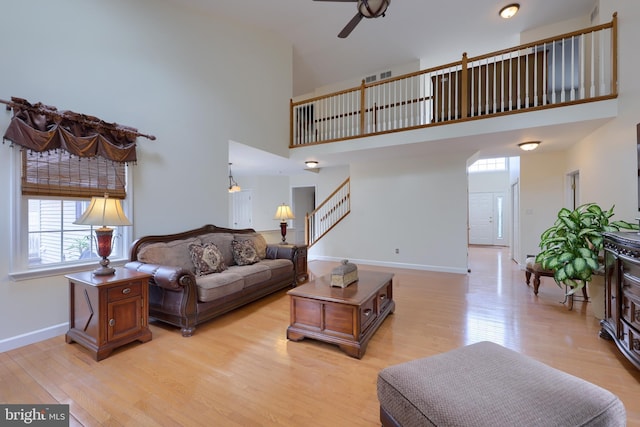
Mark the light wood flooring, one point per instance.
(240, 370)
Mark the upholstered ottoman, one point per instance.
(485, 384)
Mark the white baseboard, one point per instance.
(439, 269)
(33, 337)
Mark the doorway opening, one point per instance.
(303, 200)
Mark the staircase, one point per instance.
(328, 214)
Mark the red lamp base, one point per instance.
(283, 231)
(104, 238)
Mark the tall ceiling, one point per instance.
(410, 31)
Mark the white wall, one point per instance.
(187, 78)
(489, 182)
(267, 193)
(606, 160)
(542, 188)
(417, 205)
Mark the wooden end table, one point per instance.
(347, 316)
(106, 312)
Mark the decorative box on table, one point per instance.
(344, 275)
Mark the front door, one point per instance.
(486, 218)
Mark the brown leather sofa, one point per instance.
(181, 297)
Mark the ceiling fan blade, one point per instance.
(350, 26)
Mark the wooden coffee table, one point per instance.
(347, 316)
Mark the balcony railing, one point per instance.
(571, 68)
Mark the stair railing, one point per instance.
(328, 214)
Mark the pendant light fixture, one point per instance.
(233, 185)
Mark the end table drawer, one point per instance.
(124, 291)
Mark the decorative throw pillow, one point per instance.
(207, 259)
(258, 241)
(244, 252)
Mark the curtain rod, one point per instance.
(70, 115)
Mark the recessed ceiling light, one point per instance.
(509, 11)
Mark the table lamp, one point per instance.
(283, 213)
(103, 211)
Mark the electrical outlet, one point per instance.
(397, 250)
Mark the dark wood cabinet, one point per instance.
(106, 312)
(621, 322)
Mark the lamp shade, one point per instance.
(283, 213)
(103, 211)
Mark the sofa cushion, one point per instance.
(278, 267)
(218, 285)
(252, 274)
(223, 242)
(244, 252)
(175, 253)
(258, 240)
(207, 259)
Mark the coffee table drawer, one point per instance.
(368, 312)
(324, 317)
(385, 296)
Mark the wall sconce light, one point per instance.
(529, 145)
(233, 185)
(283, 213)
(311, 164)
(104, 211)
(509, 11)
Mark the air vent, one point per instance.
(385, 75)
(370, 79)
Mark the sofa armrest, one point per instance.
(278, 251)
(164, 276)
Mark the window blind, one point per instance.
(60, 174)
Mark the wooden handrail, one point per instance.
(345, 182)
(366, 125)
(332, 211)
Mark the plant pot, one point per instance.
(596, 295)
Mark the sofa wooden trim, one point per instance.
(173, 293)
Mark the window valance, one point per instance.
(40, 128)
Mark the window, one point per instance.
(46, 238)
(54, 239)
(489, 165)
(65, 158)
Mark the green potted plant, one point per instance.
(573, 246)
